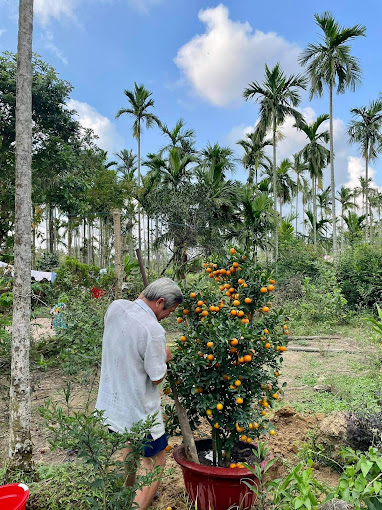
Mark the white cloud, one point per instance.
(143, 6)
(220, 63)
(2, 31)
(44, 10)
(48, 41)
(108, 137)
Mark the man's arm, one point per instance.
(168, 357)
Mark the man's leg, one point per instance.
(145, 496)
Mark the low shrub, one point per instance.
(47, 262)
(359, 273)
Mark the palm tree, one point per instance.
(179, 137)
(330, 63)
(20, 444)
(355, 225)
(299, 166)
(278, 97)
(324, 202)
(364, 187)
(254, 157)
(221, 157)
(307, 193)
(286, 186)
(345, 198)
(316, 156)
(366, 131)
(140, 102)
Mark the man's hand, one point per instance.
(168, 355)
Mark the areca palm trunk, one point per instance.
(332, 179)
(367, 195)
(296, 206)
(139, 186)
(314, 212)
(274, 177)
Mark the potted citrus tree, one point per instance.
(226, 367)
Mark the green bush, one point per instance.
(47, 262)
(359, 274)
(73, 274)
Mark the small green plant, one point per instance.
(299, 490)
(361, 481)
(84, 434)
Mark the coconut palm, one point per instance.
(278, 96)
(255, 156)
(330, 63)
(140, 101)
(316, 156)
(366, 131)
(299, 166)
(345, 197)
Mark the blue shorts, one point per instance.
(151, 446)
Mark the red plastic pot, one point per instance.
(13, 496)
(216, 488)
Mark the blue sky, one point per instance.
(196, 57)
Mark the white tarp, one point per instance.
(36, 275)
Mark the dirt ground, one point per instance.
(292, 428)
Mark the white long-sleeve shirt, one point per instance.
(133, 356)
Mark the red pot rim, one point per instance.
(218, 472)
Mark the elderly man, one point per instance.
(134, 362)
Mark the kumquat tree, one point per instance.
(227, 361)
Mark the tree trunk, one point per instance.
(34, 227)
(296, 208)
(367, 197)
(314, 213)
(274, 176)
(139, 186)
(70, 235)
(332, 179)
(117, 252)
(148, 243)
(51, 229)
(342, 232)
(20, 444)
(89, 254)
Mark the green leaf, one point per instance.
(377, 487)
(365, 467)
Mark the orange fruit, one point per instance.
(271, 287)
(200, 303)
(208, 412)
(208, 270)
(179, 320)
(236, 302)
(245, 285)
(240, 280)
(234, 341)
(285, 326)
(243, 438)
(283, 348)
(247, 358)
(210, 357)
(231, 290)
(263, 290)
(239, 400)
(192, 295)
(241, 359)
(272, 281)
(240, 313)
(264, 413)
(255, 425)
(198, 309)
(233, 350)
(186, 312)
(272, 432)
(234, 312)
(265, 309)
(168, 448)
(221, 287)
(232, 466)
(237, 383)
(238, 428)
(226, 285)
(249, 440)
(210, 344)
(232, 251)
(275, 396)
(226, 377)
(267, 345)
(276, 373)
(204, 313)
(216, 426)
(219, 407)
(235, 264)
(247, 300)
(245, 321)
(183, 338)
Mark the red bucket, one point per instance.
(13, 496)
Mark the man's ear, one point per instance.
(161, 301)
